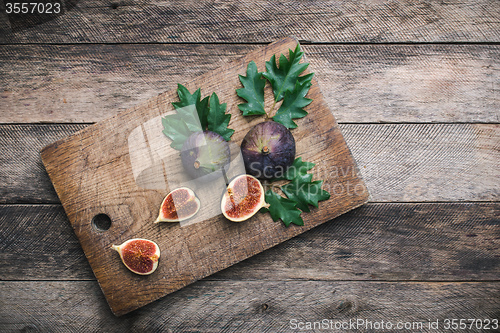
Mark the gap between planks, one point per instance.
(401, 163)
(302, 42)
(263, 22)
(250, 306)
(389, 242)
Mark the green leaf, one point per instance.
(293, 104)
(304, 192)
(283, 208)
(252, 91)
(187, 99)
(305, 78)
(195, 114)
(189, 116)
(176, 130)
(284, 77)
(202, 108)
(217, 118)
(298, 167)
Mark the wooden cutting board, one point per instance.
(110, 168)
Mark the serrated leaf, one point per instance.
(179, 126)
(298, 167)
(293, 104)
(189, 116)
(195, 114)
(252, 91)
(187, 99)
(217, 118)
(304, 192)
(284, 77)
(283, 209)
(305, 78)
(202, 107)
(176, 130)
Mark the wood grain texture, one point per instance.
(365, 78)
(377, 242)
(399, 162)
(95, 171)
(246, 306)
(88, 83)
(92, 21)
(361, 83)
(420, 162)
(23, 177)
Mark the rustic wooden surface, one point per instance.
(92, 173)
(261, 21)
(414, 85)
(363, 83)
(458, 161)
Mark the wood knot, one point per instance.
(347, 306)
(30, 329)
(262, 308)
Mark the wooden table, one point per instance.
(415, 87)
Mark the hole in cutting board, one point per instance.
(101, 222)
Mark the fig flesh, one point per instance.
(243, 198)
(139, 255)
(204, 154)
(179, 205)
(268, 149)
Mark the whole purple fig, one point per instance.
(268, 150)
(204, 154)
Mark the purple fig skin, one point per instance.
(204, 154)
(268, 150)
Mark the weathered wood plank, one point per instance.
(399, 162)
(23, 177)
(89, 83)
(361, 83)
(422, 162)
(37, 242)
(388, 242)
(262, 22)
(248, 306)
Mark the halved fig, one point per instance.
(179, 205)
(139, 255)
(243, 198)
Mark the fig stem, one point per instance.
(116, 247)
(225, 176)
